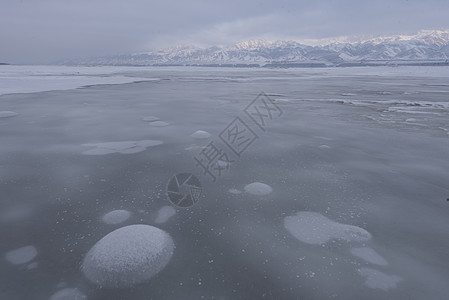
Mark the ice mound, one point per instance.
(8, 114)
(150, 119)
(200, 134)
(126, 147)
(68, 294)
(128, 256)
(324, 147)
(369, 255)
(165, 213)
(378, 280)
(314, 228)
(159, 124)
(21, 255)
(116, 216)
(258, 188)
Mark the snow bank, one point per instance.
(258, 188)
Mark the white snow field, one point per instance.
(128, 256)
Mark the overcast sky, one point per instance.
(34, 31)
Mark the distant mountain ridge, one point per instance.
(427, 47)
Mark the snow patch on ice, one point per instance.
(128, 256)
(258, 188)
(165, 213)
(314, 228)
(68, 294)
(21, 255)
(116, 216)
(369, 255)
(126, 147)
(8, 114)
(200, 134)
(159, 124)
(376, 279)
(150, 119)
(234, 191)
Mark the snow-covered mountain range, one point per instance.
(430, 47)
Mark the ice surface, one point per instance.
(165, 213)
(378, 280)
(159, 124)
(128, 256)
(200, 134)
(7, 114)
(127, 147)
(314, 228)
(258, 188)
(21, 255)
(116, 216)
(68, 294)
(369, 255)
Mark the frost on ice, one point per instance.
(369, 255)
(21, 255)
(200, 134)
(127, 147)
(378, 280)
(165, 213)
(68, 294)
(116, 216)
(314, 228)
(128, 256)
(258, 188)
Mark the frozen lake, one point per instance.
(338, 189)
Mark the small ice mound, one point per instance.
(126, 147)
(314, 228)
(165, 213)
(128, 256)
(68, 294)
(324, 147)
(116, 216)
(410, 120)
(8, 114)
(234, 191)
(369, 255)
(150, 119)
(258, 188)
(159, 124)
(378, 280)
(22, 255)
(200, 134)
